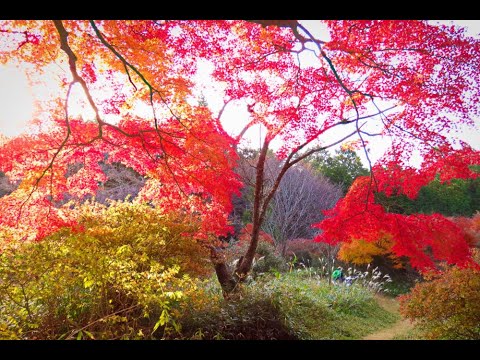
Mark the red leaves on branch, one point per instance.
(423, 239)
(448, 163)
(88, 73)
(188, 170)
(413, 81)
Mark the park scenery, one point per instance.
(239, 180)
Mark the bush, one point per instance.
(208, 316)
(471, 226)
(269, 260)
(447, 306)
(306, 252)
(123, 276)
(266, 259)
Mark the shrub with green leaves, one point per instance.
(268, 260)
(123, 276)
(208, 316)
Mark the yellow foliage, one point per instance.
(360, 252)
(125, 275)
(167, 237)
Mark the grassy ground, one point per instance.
(410, 334)
(402, 328)
(316, 310)
(288, 306)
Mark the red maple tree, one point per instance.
(423, 239)
(409, 80)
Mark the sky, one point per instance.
(235, 116)
(17, 100)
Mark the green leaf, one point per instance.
(161, 321)
(157, 324)
(164, 317)
(89, 334)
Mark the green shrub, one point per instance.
(269, 260)
(208, 316)
(124, 276)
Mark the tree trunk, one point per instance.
(284, 248)
(245, 264)
(225, 277)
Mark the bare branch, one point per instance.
(298, 203)
(72, 59)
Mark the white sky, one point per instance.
(16, 100)
(236, 115)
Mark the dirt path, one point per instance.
(398, 328)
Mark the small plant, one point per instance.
(447, 305)
(370, 278)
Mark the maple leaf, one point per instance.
(366, 74)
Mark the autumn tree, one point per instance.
(365, 226)
(454, 198)
(409, 80)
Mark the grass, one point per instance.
(316, 310)
(294, 305)
(413, 334)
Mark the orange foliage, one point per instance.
(362, 252)
(447, 305)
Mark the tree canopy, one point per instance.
(408, 80)
(341, 168)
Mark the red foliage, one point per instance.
(393, 178)
(471, 227)
(424, 239)
(246, 235)
(169, 186)
(420, 80)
